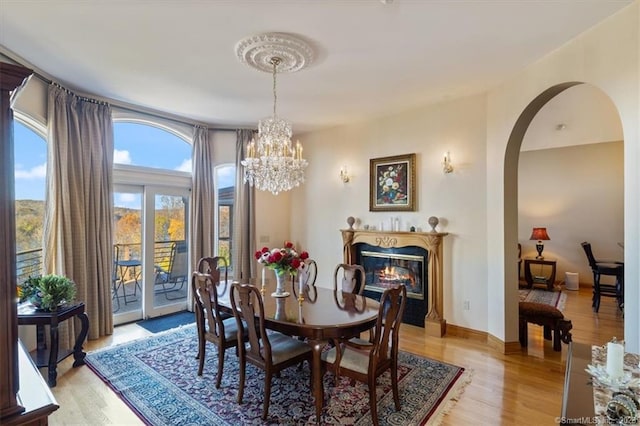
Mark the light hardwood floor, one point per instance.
(523, 388)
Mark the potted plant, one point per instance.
(48, 292)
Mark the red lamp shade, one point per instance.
(539, 234)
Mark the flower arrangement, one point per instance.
(286, 258)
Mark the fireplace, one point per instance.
(410, 258)
(386, 267)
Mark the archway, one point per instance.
(511, 211)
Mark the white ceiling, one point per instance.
(177, 56)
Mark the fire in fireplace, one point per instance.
(384, 270)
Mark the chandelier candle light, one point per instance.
(272, 163)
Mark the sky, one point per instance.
(133, 144)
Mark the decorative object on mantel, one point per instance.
(392, 183)
(433, 222)
(350, 221)
(272, 163)
(284, 262)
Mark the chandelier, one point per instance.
(272, 162)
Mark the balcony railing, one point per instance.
(29, 262)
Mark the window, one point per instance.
(225, 183)
(144, 145)
(30, 162)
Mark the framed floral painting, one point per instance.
(393, 183)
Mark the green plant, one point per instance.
(48, 291)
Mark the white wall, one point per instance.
(457, 199)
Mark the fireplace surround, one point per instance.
(431, 242)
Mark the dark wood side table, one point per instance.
(531, 279)
(50, 357)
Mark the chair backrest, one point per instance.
(204, 289)
(246, 302)
(352, 279)
(179, 266)
(386, 332)
(307, 273)
(208, 264)
(587, 250)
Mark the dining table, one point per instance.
(318, 315)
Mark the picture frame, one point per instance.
(392, 184)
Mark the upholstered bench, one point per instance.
(548, 317)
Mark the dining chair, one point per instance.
(307, 274)
(271, 352)
(605, 267)
(364, 360)
(222, 332)
(349, 278)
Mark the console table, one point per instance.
(531, 279)
(50, 357)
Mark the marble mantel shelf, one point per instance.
(435, 324)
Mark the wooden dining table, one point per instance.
(320, 315)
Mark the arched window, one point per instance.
(30, 163)
(148, 146)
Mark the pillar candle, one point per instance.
(300, 282)
(262, 277)
(615, 359)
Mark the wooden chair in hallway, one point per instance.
(605, 267)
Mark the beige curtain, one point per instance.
(203, 197)
(79, 205)
(244, 224)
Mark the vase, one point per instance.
(281, 279)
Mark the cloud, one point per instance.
(121, 157)
(123, 197)
(185, 166)
(37, 172)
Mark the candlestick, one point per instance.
(615, 359)
(300, 283)
(262, 289)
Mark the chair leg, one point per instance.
(394, 384)
(202, 347)
(556, 338)
(267, 394)
(373, 406)
(243, 366)
(220, 366)
(546, 332)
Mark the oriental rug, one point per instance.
(156, 377)
(166, 322)
(557, 299)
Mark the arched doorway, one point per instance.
(566, 250)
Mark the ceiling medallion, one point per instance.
(257, 52)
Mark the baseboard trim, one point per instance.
(503, 347)
(467, 333)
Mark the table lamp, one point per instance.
(539, 234)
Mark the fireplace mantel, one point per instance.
(435, 324)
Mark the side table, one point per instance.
(548, 281)
(50, 357)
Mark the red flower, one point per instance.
(285, 258)
(275, 257)
(304, 255)
(258, 254)
(288, 244)
(265, 249)
(295, 263)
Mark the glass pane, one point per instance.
(144, 145)
(224, 231)
(170, 251)
(127, 253)
(30, 157)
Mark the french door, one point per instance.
(151, 257)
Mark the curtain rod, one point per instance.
(132, 109)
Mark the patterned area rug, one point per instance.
(553, 298)
(157, 378)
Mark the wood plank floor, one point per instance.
(523, 388)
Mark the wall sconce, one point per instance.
(447, 167)
(344, 174)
